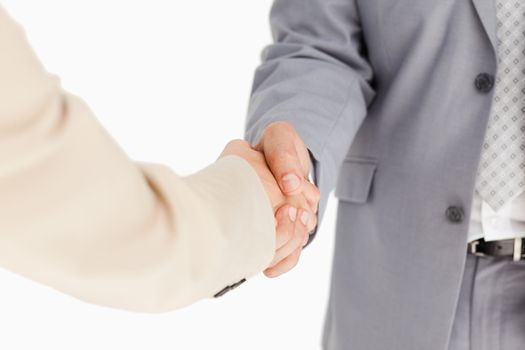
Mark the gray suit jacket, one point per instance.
(389, 97)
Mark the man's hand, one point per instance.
(293, 216)
(289, 161)
(256, 159)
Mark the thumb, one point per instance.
(283, 160)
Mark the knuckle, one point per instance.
(280, 125)
(237, 143)
(279, 128)
(313, 193)
(302, 201)
(297, 201)
(282, 212)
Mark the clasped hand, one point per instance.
(282, 162)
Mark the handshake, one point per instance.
(283, 163)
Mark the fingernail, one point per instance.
(304, 217)
(292, 213)
(290, 182)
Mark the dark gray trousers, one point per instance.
(491, 308)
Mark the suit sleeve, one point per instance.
(316, 76)
(78, 215)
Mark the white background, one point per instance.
(170, 80)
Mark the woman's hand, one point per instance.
(295, 217)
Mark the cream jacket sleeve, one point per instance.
(78, 215)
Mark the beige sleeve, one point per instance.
(78, 215)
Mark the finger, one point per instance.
(285, 265)
(285, 216)
(304, 155)
(312, 195)
(308, 198)
(309, 221)
(299, 201)
(234, 147)
(300, 230)
(312, 224)
(306, 238)
(282, 158)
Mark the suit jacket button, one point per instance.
(484, 82)
(455, 214)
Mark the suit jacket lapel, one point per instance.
(486, 10)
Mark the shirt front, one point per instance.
(501, 175)
(506, 223)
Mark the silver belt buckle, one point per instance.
(517, 249)
(472, 248)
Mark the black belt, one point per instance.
(514, 248)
